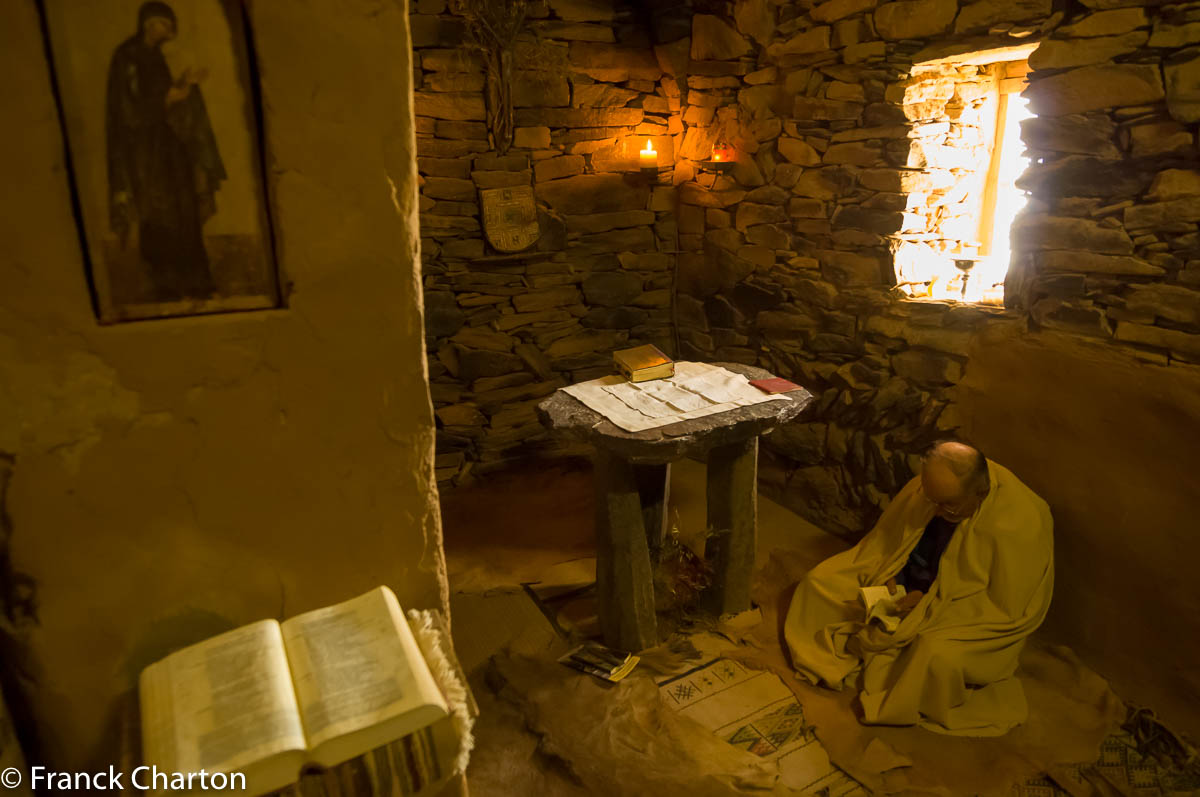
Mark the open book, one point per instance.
(881, 605)
(269, 698)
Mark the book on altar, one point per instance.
(775, 384)
(643, 363)
(270, 699)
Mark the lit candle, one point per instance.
(648, 158)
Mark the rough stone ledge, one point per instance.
(566, 414)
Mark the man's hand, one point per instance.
(909, 602)
(891, 585)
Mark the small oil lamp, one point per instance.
(724, 158)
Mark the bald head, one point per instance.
(954, 476)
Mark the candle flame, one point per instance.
(649, 147)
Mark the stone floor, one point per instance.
(535, 525)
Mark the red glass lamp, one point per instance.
(724, 157)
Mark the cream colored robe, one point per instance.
(949, 665)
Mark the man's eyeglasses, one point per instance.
(961, 508)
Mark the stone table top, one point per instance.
(565, 413)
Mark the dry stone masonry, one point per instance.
(859, 127)
(504, 331)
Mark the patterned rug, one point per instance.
(754, 710)
(1121, 770)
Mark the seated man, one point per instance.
(973, 547)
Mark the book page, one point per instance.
(695, 390)
(224, 705)
(881, 605)
(356, 668)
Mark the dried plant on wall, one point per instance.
(492, 27)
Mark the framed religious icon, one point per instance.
(164, 141)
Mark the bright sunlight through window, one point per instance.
(964, 254)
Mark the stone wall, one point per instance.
(857, 125)
(847, 157)
(1110, 248)
(506, 330)
(167, 480)
(788, 262)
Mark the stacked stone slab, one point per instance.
(504, 332)
(1111, 248)
(846, 155)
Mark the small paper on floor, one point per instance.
(742, 621)
(600, 661)
(881, 756)
(755, 710)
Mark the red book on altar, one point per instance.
(775, 384)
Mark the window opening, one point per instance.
(965, 255)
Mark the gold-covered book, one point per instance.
(643, 363)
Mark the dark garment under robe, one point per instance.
(163, 171)
(921, 569)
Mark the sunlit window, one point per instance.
(967, 255)
(986, 279)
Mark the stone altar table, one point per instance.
(632, 473)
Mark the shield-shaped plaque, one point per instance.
(510, 217)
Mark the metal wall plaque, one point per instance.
(510, 217)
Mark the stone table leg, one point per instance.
(733, 519)
(624, 582)
(654, 487)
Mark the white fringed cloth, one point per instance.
(434, 641)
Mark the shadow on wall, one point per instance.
(1111, 444)
(18, 617)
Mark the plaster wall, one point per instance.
(175, 478)
(1104, 439)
